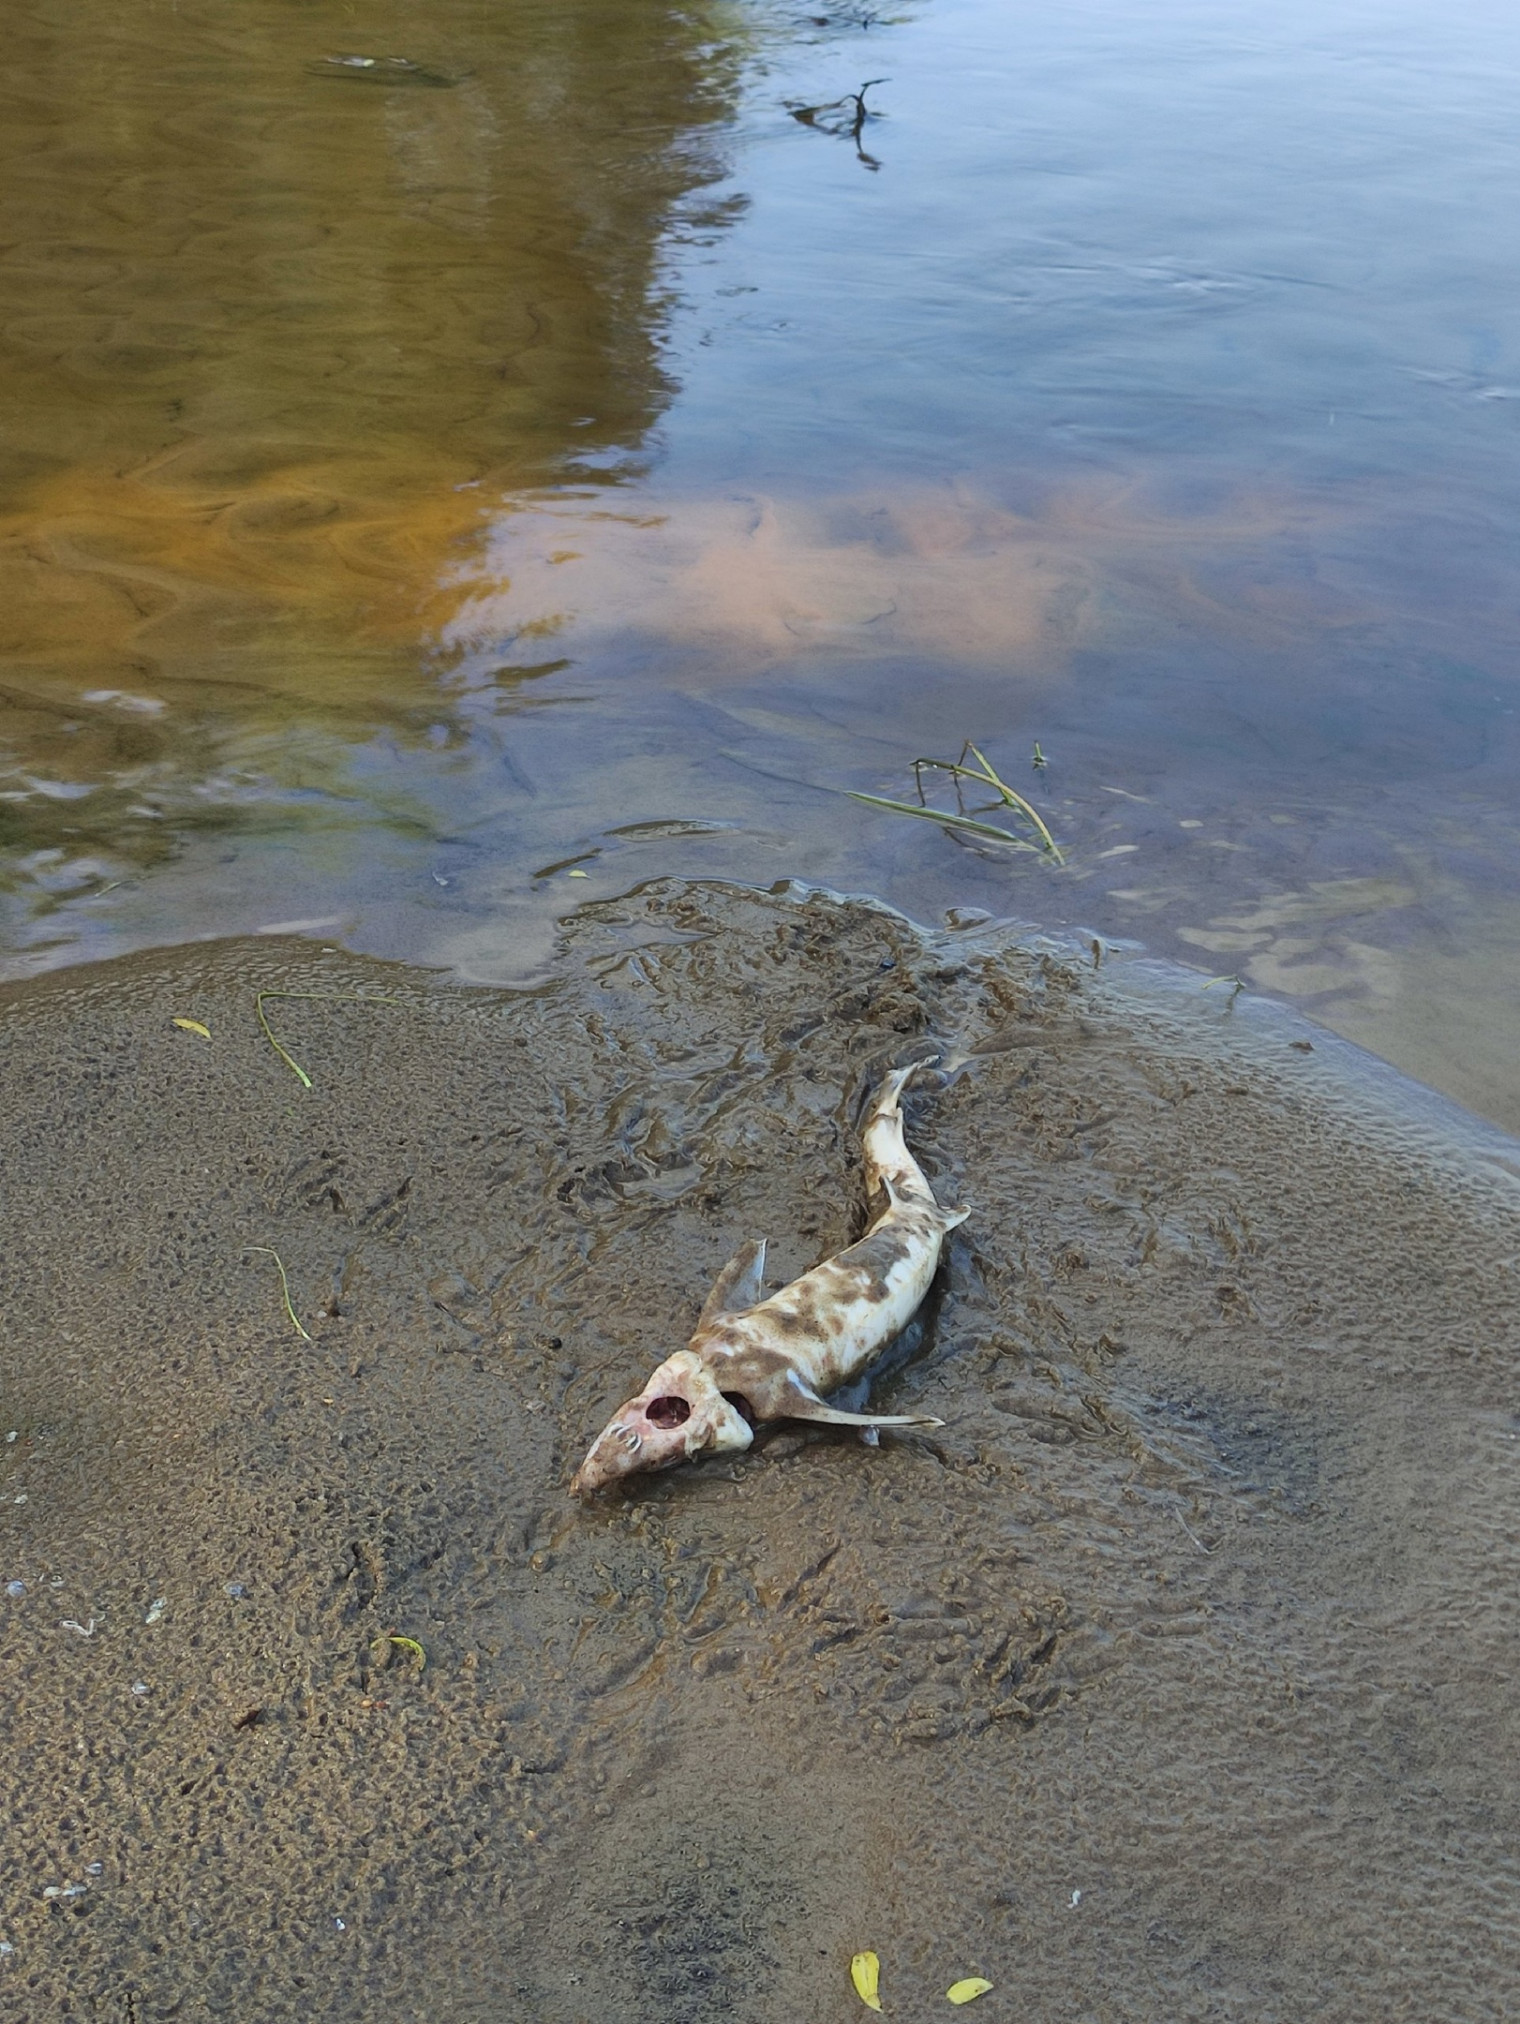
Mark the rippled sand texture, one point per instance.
(1174, 1679)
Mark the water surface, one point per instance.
(446, 455)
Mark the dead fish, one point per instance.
(754, 1359)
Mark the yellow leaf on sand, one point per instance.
(194, 1026)
(865, 1973)
(969, 1990)
(577, 874)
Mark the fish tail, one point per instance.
(893, 1085)
(889, 1164)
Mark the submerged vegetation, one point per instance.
(1038, 837)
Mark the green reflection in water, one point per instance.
(286, 295)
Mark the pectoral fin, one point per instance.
(739, 1285)
(806, 1405)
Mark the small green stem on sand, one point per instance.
(279, 1266)
(409, 1644)
(352, 997)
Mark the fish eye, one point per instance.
(667, 1412)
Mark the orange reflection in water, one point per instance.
(108, 578)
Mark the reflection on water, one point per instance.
(449, 454)
(275, 316)
(752, 582)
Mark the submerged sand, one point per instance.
(1175, 1678)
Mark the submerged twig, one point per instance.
(862, 112)
(354, 997)
(279, 1266)
(832, 118)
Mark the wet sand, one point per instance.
(1175, 1678)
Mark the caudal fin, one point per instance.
(893, 1085)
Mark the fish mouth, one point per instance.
(616, 1452)
(680, 1414)
(646, 1434)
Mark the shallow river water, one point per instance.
(480, 488)
(438, 448)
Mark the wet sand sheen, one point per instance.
(1173, 1679)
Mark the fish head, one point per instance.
(679, 1413)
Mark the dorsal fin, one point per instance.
(739, 1285)
(910, 1198)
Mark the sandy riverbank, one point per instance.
(1175, 1679)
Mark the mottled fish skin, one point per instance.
(754, 1359)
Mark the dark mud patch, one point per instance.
(1172, 1678)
